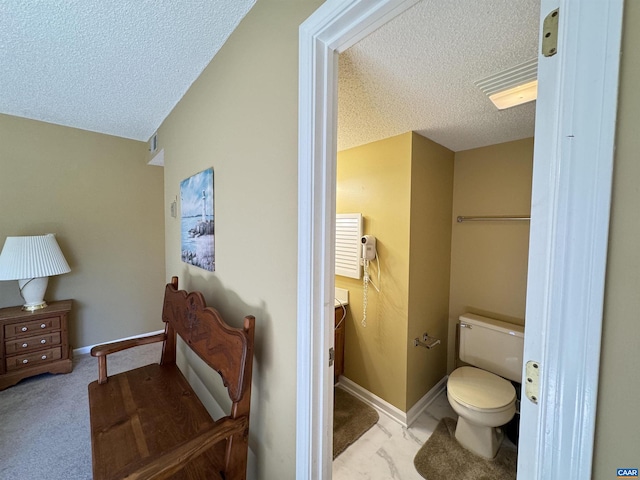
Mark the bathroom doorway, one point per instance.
(414, 88)
(376, 163)
(338, 25)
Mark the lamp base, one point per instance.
(32, 308)
(32, 291)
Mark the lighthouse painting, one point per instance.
(197, 220)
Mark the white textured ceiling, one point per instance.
(109, 66)
(120, 66)
(417, 72)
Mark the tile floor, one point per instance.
(386, 451)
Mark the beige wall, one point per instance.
(240, 117)
(375, 180)
(96, 193)
(489, 259)
(402, 186)
(430, 257)
(618, 422)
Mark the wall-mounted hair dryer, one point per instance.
(368, 254)
(368, 247)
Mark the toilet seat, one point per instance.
(480, 390)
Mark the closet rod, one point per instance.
(493, 218)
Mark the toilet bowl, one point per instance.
(481, 394)
(483, 401)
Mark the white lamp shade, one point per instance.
(31, 257)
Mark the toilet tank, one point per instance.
(492, 345)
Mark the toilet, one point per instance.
(481, 394)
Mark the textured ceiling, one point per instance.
(120, 66)
(110, 66)
(417, 72)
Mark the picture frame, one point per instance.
(197, 229)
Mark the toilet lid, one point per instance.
(479, 389)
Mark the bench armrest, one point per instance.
(101, 351)
(113, 347)
(164, 465)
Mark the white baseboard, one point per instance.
(376, 402)
(82, 350)
(404, 419)
(422, 404)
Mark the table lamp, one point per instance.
(31, 261)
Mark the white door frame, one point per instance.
(570, 213)
(570, 204)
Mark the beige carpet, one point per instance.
(44, 420)
(442, 458)
(351, 418)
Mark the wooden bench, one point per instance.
(148, 423)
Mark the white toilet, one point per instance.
(481, 396)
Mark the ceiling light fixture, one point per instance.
(512, 87)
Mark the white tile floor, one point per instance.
(387, 450)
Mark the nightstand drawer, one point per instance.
(31, 328)
(35, 358)
(32, 343)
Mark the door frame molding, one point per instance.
(561, 435)
(570, 209)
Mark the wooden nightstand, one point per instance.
(32, 343)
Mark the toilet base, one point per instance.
(481, 440)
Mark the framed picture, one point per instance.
(197, 220)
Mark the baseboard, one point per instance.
(403, 418)
(83, 350)
(376, 402)
(422, 404)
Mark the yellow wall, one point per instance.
(240, 117)
(402, 186)
(104, 203)
(489, 259)
(375, 180)
(618, 422)
(430, 254)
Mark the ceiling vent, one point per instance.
(511, 87)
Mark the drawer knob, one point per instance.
(44, 325)
(25, 345)
(24, 329)
(25, 361)
(44, 357)
(43, 341)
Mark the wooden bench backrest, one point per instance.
(227, 350)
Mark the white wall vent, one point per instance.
(348, 247)
(153, 143)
